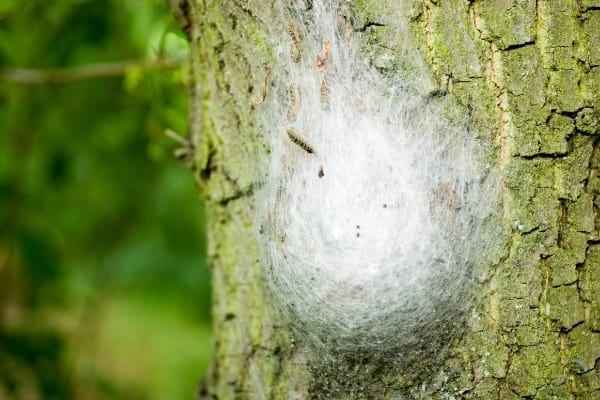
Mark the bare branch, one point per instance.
(34, 76)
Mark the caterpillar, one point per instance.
(296, 139)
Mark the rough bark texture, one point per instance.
(526, 73)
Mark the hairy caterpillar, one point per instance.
(294, 98)
(296, 139)
(296, 38)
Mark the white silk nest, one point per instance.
(372, 207)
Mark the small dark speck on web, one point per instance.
(229, 316)
(321, 172)
(384, 205)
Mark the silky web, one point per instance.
(372, 205)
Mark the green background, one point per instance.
(104, 289)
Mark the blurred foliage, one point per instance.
(104, 290)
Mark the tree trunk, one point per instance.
(524, 75)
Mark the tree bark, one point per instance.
(526, 74)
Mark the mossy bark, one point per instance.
(526, 74)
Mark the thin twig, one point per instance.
(185, 154)
(34, 76)
(171, 134)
